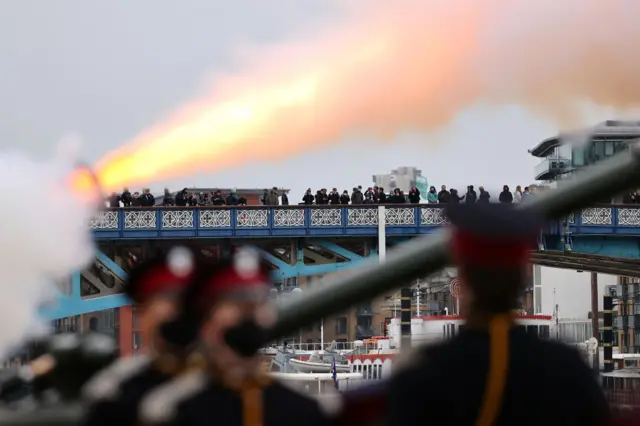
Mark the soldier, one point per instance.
(365, 406)
(232, 390)
(114, 393)
(493, 372)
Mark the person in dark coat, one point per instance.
(334, 197)
(484, 197)
(492, 371)
(444, 196)
(506, 197)
(308, 198)
(455, 198)
(414, 195)
(232, 390)
(471, 196)
(344, 198)
(113, 394)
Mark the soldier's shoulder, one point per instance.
(161, 405)
(107, 383)
(420, 355)
(564, 357)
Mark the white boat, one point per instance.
(373, 358)
(323, 386)
(301, 366)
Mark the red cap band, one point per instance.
(157, 281)
(229, 280)
(477, 250)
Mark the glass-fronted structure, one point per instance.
(565, 153)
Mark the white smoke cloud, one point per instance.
(44, 236)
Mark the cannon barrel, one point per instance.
(428, 254)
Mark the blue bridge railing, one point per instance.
(300, 221)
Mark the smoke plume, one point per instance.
(394, 67)
(41, 243)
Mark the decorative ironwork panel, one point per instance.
(288, 218)
(400, 216)
(215, 218)
(326, 217)
(571, 218)
(628, 217)
(105, 220)
(177, 218)
(362, 217)
(596, 216)
(252, 218)
(433, 216)
(140, 219)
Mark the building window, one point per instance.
(93, 324)
(341, 325)
(137, 340)
(609, 148)
(544, 331)
(598, 151)
(577, 157)
(135, 319)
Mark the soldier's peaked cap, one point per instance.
(167, 273)
(492, 234)
(240, 274)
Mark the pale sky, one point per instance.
(107, 70)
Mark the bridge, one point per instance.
(315, 240)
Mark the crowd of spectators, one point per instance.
(631, 198)
(377, 195)
(373, 195)
(184, 198)
(275, 197)
(482, 196)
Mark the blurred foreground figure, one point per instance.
(231, 390)
(113, 395)
(494, 373)
(365, 406)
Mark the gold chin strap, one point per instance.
(498, 367)
(251, 392)
(252, 404)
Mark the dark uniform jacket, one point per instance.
(194, 399)
(365, 406)
(114, 395)
(547, 384)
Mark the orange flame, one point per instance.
(413, 66)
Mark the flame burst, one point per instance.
(412, 66)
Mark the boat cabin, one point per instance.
(622, 385)
(434, 328)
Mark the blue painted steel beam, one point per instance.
(111, 265)
(300, 269)
(73, 304)
(340, 251)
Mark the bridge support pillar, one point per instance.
(607, 333)
(405, 318)
(594, 316)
